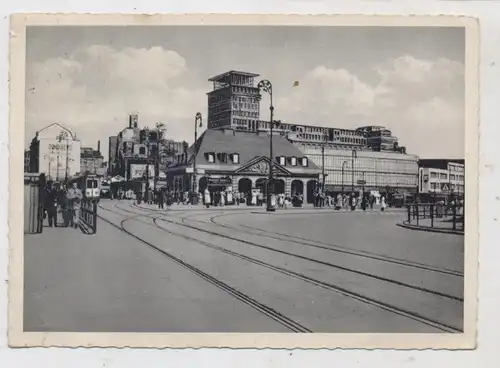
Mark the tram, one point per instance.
(401, 200)
(89, 184)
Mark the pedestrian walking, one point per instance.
(75, 198)
(354, 202)
(382, 204)
(50, 205)
(160, 198)
(206, 197)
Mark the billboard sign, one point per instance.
(137, 171)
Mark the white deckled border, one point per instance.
(19, 338)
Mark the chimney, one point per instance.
(98, 146)
(133, 120)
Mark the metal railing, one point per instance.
(436, 216)
(88, 215)
(33, 203)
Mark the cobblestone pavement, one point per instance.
(327, 271)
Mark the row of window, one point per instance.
(245, 105)
(365, 163)
(249, 114)
(222, 157)
(439, 186)
(444, 176)
(293, 161)
(239, 89)
(218, 97)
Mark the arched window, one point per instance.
(304, 161)
(293, 161)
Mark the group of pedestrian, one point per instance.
(65, 199)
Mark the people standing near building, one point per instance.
(206, 197)
(354, 202)
(382, 204)
(260, 199)
(160, 198)
(75, 198)
(222, 198)
(340, 202)
(50, 204)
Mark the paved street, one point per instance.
(240, 269)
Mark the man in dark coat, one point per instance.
(50, 203)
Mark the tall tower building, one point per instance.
(234, 101)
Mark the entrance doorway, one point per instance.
(297, 187)
(312, 185)
(245, 186)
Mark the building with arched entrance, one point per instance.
(227, 158)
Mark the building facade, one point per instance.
(55, 151)
(234, 101)
(229, 159)
(112, 148)
(91, 161)
(135, 150)
(26, 161)
(364, 170)
(442, 177)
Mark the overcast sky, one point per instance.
(410, 80)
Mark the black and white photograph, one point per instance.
(243, 181)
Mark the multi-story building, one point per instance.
(26, 161)
(55, 151)
(441, 176)
(134, 149)
(364, 170)
(234, 101)
(112, 148)
(379, 138)
(91, 160)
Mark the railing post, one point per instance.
(432, 215)
(454, 210)
(409, 213)
(416, 207)
(94, 218)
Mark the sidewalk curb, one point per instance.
(430, 230)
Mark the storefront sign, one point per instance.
(137, 171)
(60, 147)
(220, 181)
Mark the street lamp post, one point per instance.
(266, 86)
(323, 163)
(146, 141)
(353, 156)
(343, 168)
(159, 133)
(198, 118)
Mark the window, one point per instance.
(142, 150)
(236, 158)
(281, 160)
(304, 161)
(211, 157)
(293, 161)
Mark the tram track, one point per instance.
(306, 258)
(312, 243)
(269, 312)
(331, 287)
(334, 247)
